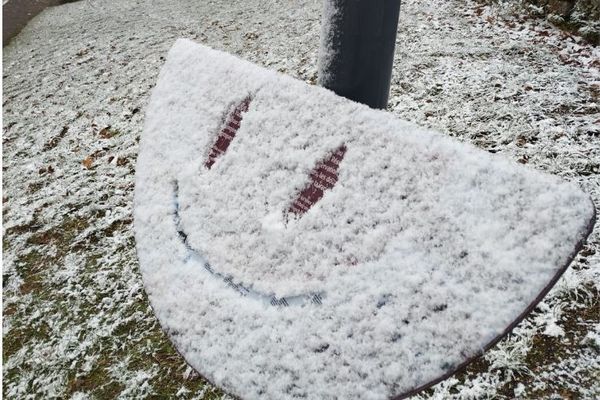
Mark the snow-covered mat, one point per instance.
(296, 244)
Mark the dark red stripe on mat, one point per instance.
(323, 177)
(228, 131)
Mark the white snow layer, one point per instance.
(327, 51)
(452, 243)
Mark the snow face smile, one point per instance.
(400, 252)
(242, 289)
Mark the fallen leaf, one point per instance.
(106, 133)
(87, 163)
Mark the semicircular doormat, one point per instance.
(295, 244)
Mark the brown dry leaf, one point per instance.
(87, 163)
(106, 133)
(594, 63)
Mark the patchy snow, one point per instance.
(507, 84)
(593, 337)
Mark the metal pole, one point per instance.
(357, 48)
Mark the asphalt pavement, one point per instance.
(17, 13)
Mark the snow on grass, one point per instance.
(505, 83)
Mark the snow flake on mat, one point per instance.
(449, 245)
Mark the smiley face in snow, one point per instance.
(296, 244)
(322, 178)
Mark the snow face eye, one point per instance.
(231, 124)
(323, 177)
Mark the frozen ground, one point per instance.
(76, 83)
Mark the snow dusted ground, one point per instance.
(76, 82)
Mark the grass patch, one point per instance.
(138, 345)
(97, 381)
(61, 235)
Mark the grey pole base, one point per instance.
(357, 49)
